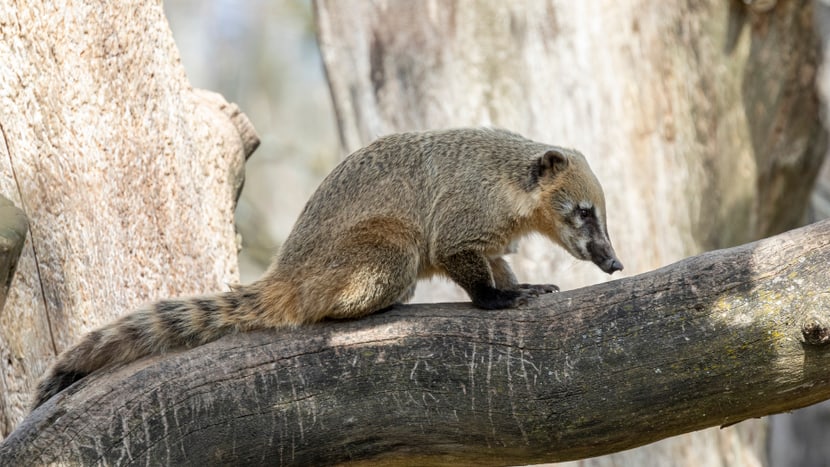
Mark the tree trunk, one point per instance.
(700, 119)
(127, 174)
(708, 341)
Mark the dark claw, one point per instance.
(537, 289)
(494, 299)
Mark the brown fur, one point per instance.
(407, 206)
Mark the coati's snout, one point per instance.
(602, 254)
(585, 238)
(611, 265)
(577, 209)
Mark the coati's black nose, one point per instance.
(611, 265)
(602, 254)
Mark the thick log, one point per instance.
(711, 340)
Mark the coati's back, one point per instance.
(402, 176)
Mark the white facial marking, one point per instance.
(582, 244)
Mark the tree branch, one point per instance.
(711, 340)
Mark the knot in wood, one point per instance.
(815, 333)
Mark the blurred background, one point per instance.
(263, 55)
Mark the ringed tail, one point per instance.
(155, 329)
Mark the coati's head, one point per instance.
(571, 209)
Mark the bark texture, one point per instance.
(711, 340)
(700, 119)
(127, 174)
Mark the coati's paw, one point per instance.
(537, 289)
(496, 299)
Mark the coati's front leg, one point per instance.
(505, 279)
(472, 271)
(503, 276)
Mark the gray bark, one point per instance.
(711, 340)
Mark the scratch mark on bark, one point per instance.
(272, 438)
(178, 423)
(489, 387)
(473, 379)
(148, 440)
(512, 396)
(299, 411)
(125, 441)
(166, 431)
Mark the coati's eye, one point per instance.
(584, 213)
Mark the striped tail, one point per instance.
(164, 325)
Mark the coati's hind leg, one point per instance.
(372, 266)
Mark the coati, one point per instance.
(405, 207)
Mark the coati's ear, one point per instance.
(552, 163)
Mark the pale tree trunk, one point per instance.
(127, 174)
(699, 118)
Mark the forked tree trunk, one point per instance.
(127, 174)
(700, 119)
